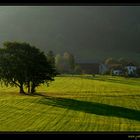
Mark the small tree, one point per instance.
(59, 63)
(69, 62)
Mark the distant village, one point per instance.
(66, 64)
(128, 70)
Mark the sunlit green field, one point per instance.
(74, 103)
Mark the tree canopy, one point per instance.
(24, 65)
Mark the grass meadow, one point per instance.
(74, 103)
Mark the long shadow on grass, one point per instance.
(91, 107)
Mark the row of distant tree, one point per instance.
(64, 63)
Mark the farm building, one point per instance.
(117, 72)
(131, 69)
(117, 69)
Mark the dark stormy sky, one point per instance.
(91, 33)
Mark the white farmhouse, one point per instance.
(117, 72)
(131, 69)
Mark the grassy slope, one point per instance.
(74, 104)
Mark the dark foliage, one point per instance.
(22, 64)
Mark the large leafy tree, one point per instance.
(24, 65)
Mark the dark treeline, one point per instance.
(65, 63)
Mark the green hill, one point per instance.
(74, 103)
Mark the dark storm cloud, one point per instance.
(90, 32)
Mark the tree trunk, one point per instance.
(29, 88)
(20, 85)
(21, 89)
(33, 88)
